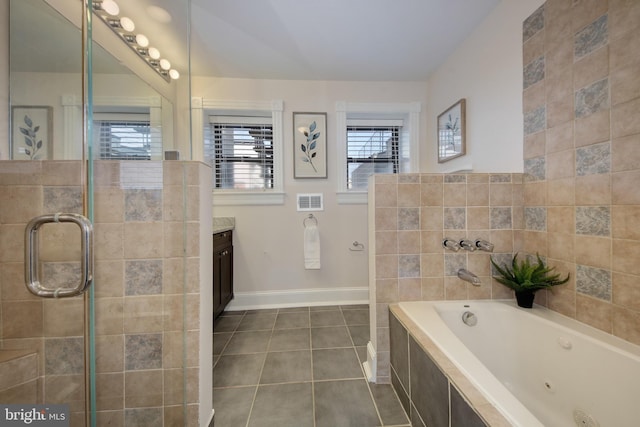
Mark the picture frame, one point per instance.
(309, 145)
(31, 132)
(451, 132)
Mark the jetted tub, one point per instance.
(535, 366)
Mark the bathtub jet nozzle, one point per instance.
(468, 276)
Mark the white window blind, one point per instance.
(241, 152)
(372, 147)
(125, 137)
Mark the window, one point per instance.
(374, 138)
(242, 141)
(125, 137)
(371, 148)
(242, 152)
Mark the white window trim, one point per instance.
(205, 107)
(383, 110)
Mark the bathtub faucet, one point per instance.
(483, 245)
(468, 276)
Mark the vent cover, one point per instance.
(310, 202)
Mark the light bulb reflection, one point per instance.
(164, 64)
(142, 40)
(127, 24)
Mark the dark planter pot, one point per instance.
(525, 298)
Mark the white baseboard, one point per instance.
(370, 365)
(298, 298)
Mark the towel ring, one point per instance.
(310, 217)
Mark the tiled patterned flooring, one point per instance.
(298, 367)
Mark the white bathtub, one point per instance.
(537, 367)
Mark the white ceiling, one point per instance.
(397, 40)
(367, 40)
(364, 40)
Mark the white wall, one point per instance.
(486, 69)
(268, 250)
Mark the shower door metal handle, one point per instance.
(31, 270)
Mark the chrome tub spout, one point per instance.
(468, 276)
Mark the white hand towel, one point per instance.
(311, 247)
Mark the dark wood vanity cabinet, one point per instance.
(222, 271)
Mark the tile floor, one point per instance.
(298, 367)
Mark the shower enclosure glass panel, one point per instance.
(115, 355)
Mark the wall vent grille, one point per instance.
(310, 202)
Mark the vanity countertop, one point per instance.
(221, 224)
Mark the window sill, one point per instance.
(352, 197)
(228, 198)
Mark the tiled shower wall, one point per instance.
(139, 286)
(578, 202)
(413, 213)
(582, 156)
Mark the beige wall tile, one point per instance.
(431, 219)
(386, 195)
(561, 246)
(432, 288)
(455, 289)
(455, 195)
(502, 240)
(111, 396)
(108, 241)
(593, 190)
(143, 314)
(110, 354)
(586, 11)
(559, 138)
(594, 312)
(432, 265)
(593, 251)
(22, 319)
(625, 84)
(410, 289)
(626, 290)
(561, 192)
(625, 222)
(61, 317)
(109, 316)
(143, 240)
(386, 218)
(533, 97)
(478, 218)
(625, 256)
(593, 128)
(109, 278)
(624, 16)
(535, 194)
(591, 68)
(625, 155)
(626, 324)
(624, 118)
(431, 194)
(561, 219)
(533, 48)
(478, 194)
(561, 164)
(409, 242)
(386, 266)
(409, 195)
(108, 205)
(534, 145)
(501, 194)
(431, 241)
(386, 242)
(143, 388)
(624, 188)
(619, 53)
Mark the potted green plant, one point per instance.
(525, 278)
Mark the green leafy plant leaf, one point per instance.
(524, 275)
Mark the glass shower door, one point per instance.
(115, 354)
